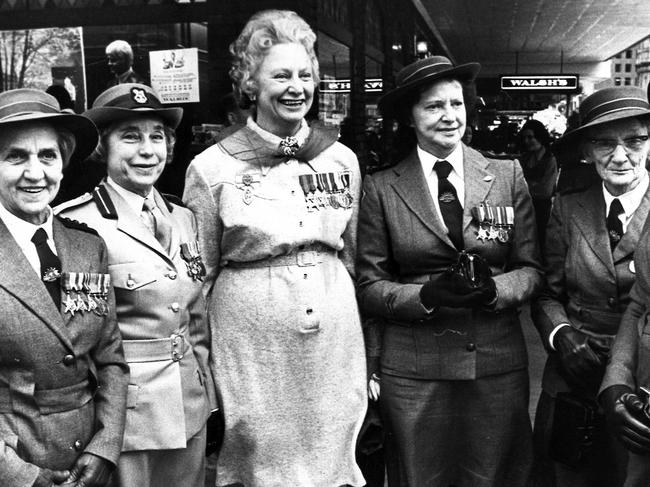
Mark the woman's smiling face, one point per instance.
(285, 89)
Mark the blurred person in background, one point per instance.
(540, 170)
(119, 55)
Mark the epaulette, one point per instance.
(172, 198)
(104, 203)
(78, 201)
(77, 225)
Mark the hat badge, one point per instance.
(139, 95)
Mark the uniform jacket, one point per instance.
(402, 242)
(158, 304)
(63, 378)
(587, 285)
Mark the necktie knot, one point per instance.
(39, 237)
(148, 205)
(442, 169)
(157, 222)
(616, 208)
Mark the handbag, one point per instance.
(576, 423)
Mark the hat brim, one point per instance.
(83, 129)
(573, 135)
(104, 116)
(388, 103)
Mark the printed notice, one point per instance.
(175, 75)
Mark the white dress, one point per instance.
(287, 345)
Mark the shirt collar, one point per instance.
(428, 160)
(135, 201)
(630, 200)
(301, 135)
(22, 231)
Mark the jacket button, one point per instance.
(611, 302)
(172, 275)
(470, 347)
(175, 307)
(78, 445)
(68, 360)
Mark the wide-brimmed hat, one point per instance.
(127, 100)
(25, 105)
(607, 105)
(421, 72)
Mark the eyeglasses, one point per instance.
(605, 147)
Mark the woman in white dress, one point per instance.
(276, 203)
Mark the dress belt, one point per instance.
(309, 255)
(51, 400)
(172, 348)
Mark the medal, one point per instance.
(245, 182)
(192, 256)
(482, 234)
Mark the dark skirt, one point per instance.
(464, 433)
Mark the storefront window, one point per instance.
(334, 100)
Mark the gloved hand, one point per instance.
(628, 419)
(583, 357)
(48, 478)
(90, 471)
(374, 378)
(215, 430)
(439, 291)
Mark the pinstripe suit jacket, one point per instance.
(402, 242)
(40, 425)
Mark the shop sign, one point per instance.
(556, 83)
(175, 75)
(372, 85)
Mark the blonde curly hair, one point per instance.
(264, 30)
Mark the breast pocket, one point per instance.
(134, 284)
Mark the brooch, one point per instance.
(289, 146)
(192, 256)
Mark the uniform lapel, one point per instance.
(628, 242)
(411, 186)
(478, 181)
(592, 225)
(19, 279)
(131, 224)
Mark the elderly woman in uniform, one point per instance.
(63, 378)
(590, 258)
(156, 268)
(276, 203)
(447, 254)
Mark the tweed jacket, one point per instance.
(159, 304)
(402, 242)
(587, 285)
(63, 378)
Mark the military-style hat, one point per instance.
(608, 105)
(128, 100)
(25, 105)
(421, 72)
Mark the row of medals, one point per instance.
(326, 189)
(494, 222)
(86, 292)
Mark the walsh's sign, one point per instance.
(554, 83)
(372, 85)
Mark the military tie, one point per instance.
(50, 266)
(614, 224)
(450, 207)
(157, 223)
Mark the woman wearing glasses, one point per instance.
(590, 244)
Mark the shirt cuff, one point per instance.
(551, 337)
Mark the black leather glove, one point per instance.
(90, 471)
(48, 478)
(583, 357)
(628, 418)
(472, 274)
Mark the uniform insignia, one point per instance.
(327, 189)
(139, 95)
(494, 222)
(86, 292)
(446, 197)
(192, 256)
(51, 274)
(246, 182)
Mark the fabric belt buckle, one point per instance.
(307, 258)
(177, 343)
